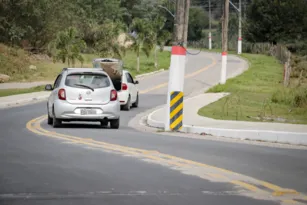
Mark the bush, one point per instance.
(295, 97)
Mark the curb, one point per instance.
(23, 101)
(294, 138)
(151, 73)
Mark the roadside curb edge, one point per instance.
(254, 135)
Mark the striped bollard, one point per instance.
(174, 111)
(224, 66)
(239, 45)
(210, 40)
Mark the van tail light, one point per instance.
(113, 95)
(124, 86)
(62, 94)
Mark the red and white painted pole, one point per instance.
(239, 45)
(240, 29)
(175, 85)
(210, 40)
(224, 66)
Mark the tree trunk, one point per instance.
(138, 62)
(156, 58)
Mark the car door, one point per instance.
(54, 92)
(131, 86)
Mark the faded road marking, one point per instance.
(214, 62)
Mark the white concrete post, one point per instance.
(176, 78)
(210, 40)
(224, 66)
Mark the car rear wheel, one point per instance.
(136, 103)
(56, 122)
(114, 124)
(49, 119)
(127, 105)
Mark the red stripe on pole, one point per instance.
(240, 39)
(209, 37)
(224, 53)
(178, 50)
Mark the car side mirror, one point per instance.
(136, 82)
(48, 87)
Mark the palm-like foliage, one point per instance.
(107, 44)
(67, 47)
(160, 36)
(143, 40)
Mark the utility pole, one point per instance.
(225, 20)
(179, 22)
(210, 33)
(186, 22)
(174, 106)
(240, 29)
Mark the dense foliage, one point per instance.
(278, 21)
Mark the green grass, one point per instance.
(8, 92)
(16, 62)
(146, 63)
(258, 95)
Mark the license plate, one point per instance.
(88, 112)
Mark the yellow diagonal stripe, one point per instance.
(176, 110)
(174, 100)
(176, 122)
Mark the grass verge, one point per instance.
(17, 64)
(258, 95)
(8, 92)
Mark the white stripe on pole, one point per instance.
(210, 40)
(224, 66)
(176, 78)
(239, 45)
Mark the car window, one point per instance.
(93, 80)
(57, 81)
(129, 78)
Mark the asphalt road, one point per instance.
(36, 169)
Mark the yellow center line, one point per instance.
(35, 126)
(214, 62)
(245, 185)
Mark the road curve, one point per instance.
(46, 168)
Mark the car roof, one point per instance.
(73, 70)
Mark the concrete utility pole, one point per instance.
(179, 22)
(210, 32)
(174, 106)
(240, 29)
(186, 22)
(225, 20)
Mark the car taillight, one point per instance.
(62, 94)
(113, 95)
(124, 86)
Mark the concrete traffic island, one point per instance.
(260, 131)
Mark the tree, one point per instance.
(106, 39)
(143, 40)
(160, 37)
(276, 21)
(198, 21)
(67, 47)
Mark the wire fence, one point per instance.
(280, 52)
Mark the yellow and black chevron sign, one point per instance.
(176, 110)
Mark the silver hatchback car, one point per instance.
(83, 94)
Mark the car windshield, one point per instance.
(92, 80)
